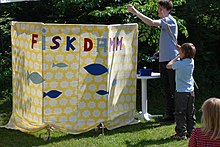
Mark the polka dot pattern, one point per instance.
(52, 86)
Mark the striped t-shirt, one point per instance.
(198, 139)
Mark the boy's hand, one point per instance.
(178, 46)
(131, 9)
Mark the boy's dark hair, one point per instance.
(167, 4)
(189, 50)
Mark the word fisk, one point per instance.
(114, 43)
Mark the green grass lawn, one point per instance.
(143, 134)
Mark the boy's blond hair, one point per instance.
(211, 117)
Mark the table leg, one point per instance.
(144, 95)
(144, 114)
(144, 99)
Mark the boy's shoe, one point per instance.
(177, 137)
(188, 135)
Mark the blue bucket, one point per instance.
(145, 72)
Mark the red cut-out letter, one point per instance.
(88, 45)
(33, 40)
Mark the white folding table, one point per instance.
(144, 113)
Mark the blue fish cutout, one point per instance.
(102, 92)
(60, 65)
(35, 77)
(96, 69)
(19, 33)
(114, 82)
(52, 94)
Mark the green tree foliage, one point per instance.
(148, 36)
(89, 11)
(203, 25)
(197, 19)
(85, 11)
(5, 54)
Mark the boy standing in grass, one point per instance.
(184, 95)
(167, 50)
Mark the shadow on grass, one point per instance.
(17, 138)
(149, 142)
(135, 128)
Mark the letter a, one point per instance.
(102, 42)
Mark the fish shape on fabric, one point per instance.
(96, 69)
(52, 94)
(102, 92)
(60, 65)
(35, 77)
(19, 33)
(114, 82)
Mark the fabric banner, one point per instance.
(10, 1)
(73, 76)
